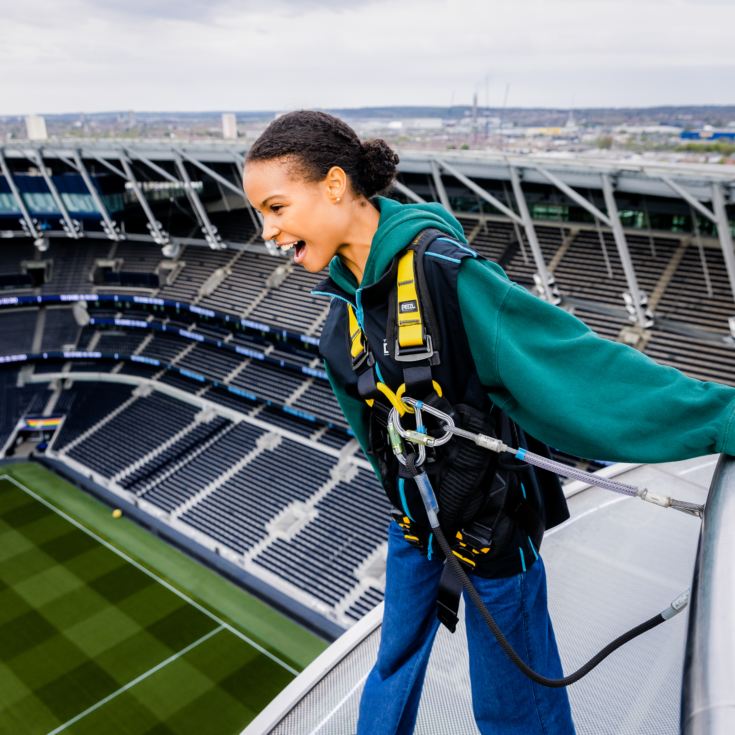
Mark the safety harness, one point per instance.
(482, 500)
(477, 497)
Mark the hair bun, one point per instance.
(379, 166)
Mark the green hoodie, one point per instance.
(548, 371)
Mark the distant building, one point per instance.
(36, 127)
(229, 126)
(708, 133)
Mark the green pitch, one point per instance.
(106, 629)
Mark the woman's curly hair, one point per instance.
(316, 141)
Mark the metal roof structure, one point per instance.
(707, 190)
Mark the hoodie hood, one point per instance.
(398, 225)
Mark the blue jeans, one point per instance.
(504, 701)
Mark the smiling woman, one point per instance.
(417, 313)
(312, 180)
(316, 186)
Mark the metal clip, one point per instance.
(421, 437)
(395, 432)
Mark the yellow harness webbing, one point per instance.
(410, 326)
(357, 344)
(408, 309)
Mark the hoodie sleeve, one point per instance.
(579, 392)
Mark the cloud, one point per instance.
(229, 54)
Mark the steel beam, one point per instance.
(109, 226)
(213, 174)
(68, 162)
(574, 196)
(160, 171)
(158, 234)
(548, 292)
(687, 197)
(108, 165)
(240, 191)
(410, 193)
(71, 227)
(239, 160)
(436, 174)
(210, 231)
(30, 223)
(724, 233)
(622, 246)
(472, 186)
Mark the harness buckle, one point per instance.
(472, 542)
(414, 354)
(406, 526)
(364, 356)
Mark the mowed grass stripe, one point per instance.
(214, 688)
(151, 574)
(135, 681)
(53, 668)
(79, 621)
(289, 640)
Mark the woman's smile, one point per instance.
(299, 247)
(315, 219)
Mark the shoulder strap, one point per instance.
(358, 344)
(411, 314)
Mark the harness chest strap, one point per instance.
(410, 325)
(412, 337)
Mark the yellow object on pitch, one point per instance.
(117, 513)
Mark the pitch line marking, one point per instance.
(137, 680)
(151, 574)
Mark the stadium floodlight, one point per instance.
(541, 292)
(273, 249)
(72, 227)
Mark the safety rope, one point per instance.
(412, 460)
(496, 445)
(432, 509)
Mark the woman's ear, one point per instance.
(336, 183)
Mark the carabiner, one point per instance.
(395, 432)
(445, 418)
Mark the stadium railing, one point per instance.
(708, 702)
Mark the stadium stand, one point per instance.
(17, 329)
(121, 430)
(247, 451)
(349, 524)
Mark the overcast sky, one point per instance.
(95, 55)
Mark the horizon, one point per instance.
(367, 108)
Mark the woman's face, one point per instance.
(299, 214)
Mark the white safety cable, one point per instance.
(544, 463)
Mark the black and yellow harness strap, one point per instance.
(408, 308)
(359, 351)
(411, 332)
(357, 343)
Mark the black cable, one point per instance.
(510, 651)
